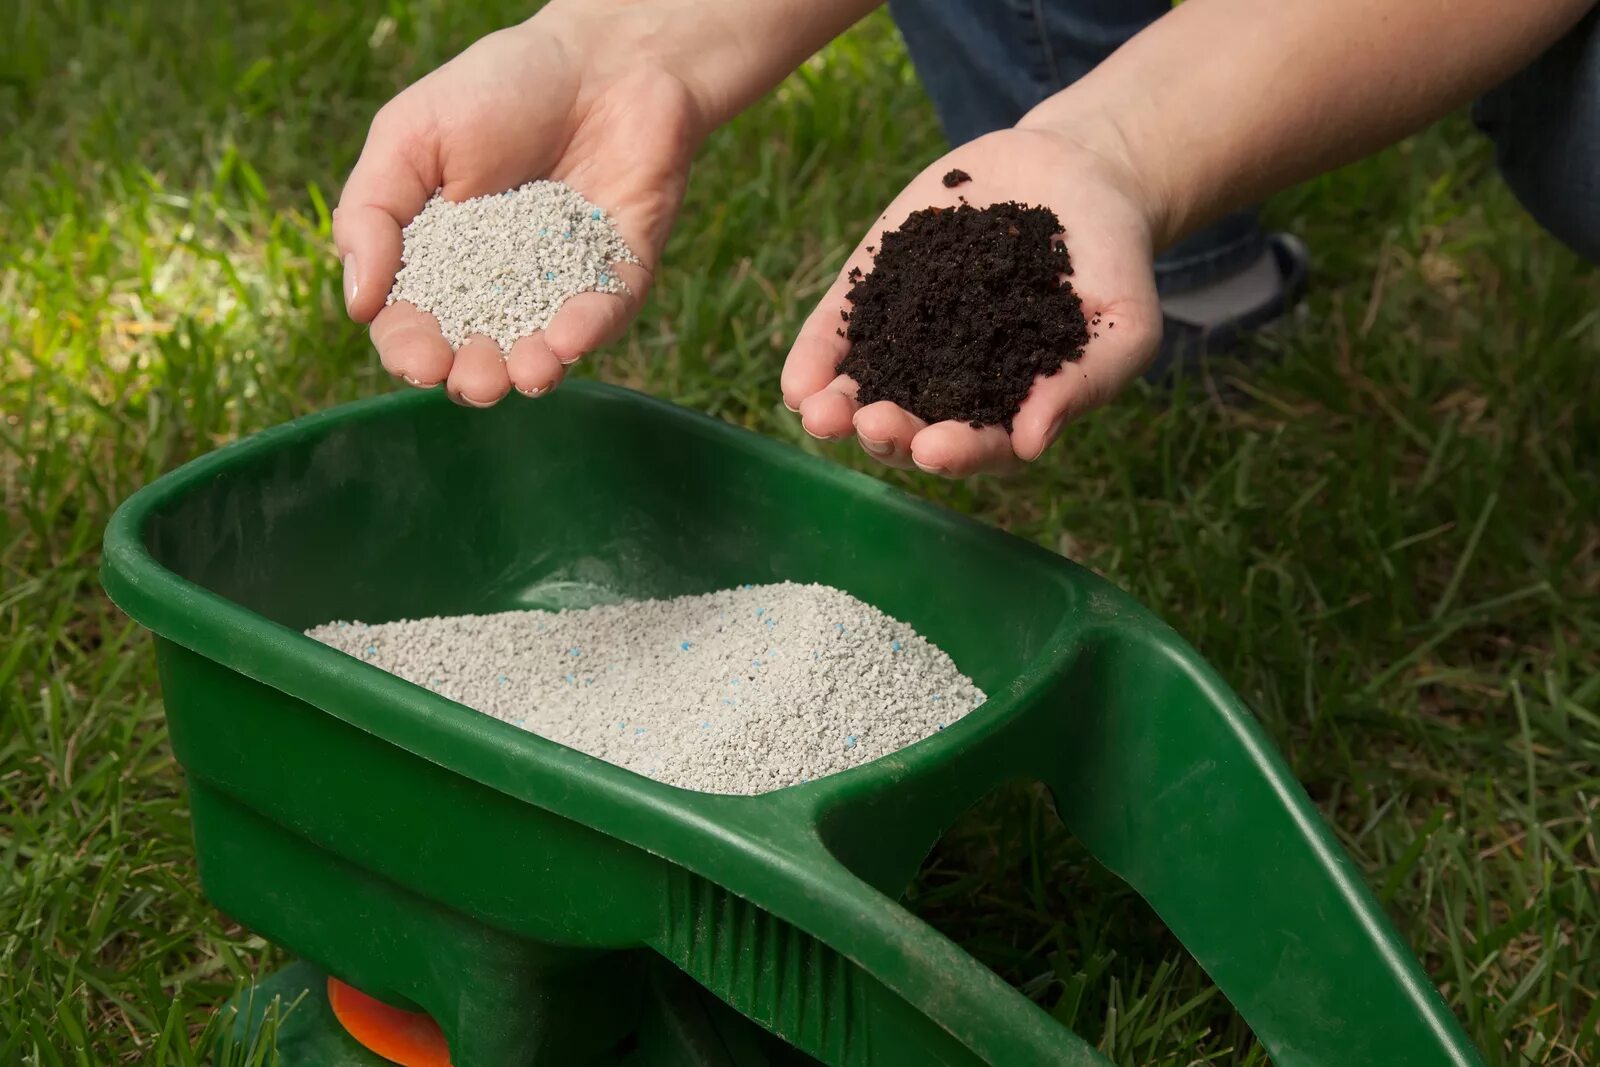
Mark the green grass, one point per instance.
(1390, 550)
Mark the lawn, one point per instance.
(1382, 527)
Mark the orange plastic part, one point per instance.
(408, 1038)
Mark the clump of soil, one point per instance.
(955, 178)
(963, 309)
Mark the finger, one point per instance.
(369, 243)
(886, 431)
(589, 320)
(479, 378)
(813, 360)
(820, 346)
(1110, 361)
(533, 369)
(1118, 289)
(828, 413)
(410, 345)
(385, 190)
(957, 450)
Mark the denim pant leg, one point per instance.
(1545, 124)
(985, 63)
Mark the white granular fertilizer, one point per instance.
(740, 691)
(502, 265)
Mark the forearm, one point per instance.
(1223, 102)
(729, 52)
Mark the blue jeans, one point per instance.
(987, 62)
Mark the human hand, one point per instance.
(563, 96)
(1108, 236)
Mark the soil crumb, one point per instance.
(955, 178)
(962, 310)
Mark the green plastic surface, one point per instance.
(289, 1013)
(511, 887)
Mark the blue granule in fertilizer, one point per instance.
(685, 645)
(372, 650)
(894, 646)
(637, 730)
(573, 652)
(595, 213)
(850, 742)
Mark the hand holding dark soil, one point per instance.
(1108, 238)
(963, 308)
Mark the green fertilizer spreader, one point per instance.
(460, 891)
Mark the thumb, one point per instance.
(384, 192)
(1123, 337)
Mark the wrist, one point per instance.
(607, 40)
(1095, 131)
(725, 53)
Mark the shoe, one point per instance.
(1185, 345)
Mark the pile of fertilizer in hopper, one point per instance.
(740, 691)
(503, 265)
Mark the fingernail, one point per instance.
(350, 283)
(818, 436)
(790, 406)
(471, 403)
(531, 392)
(925, 469)
(409, 380)
(876, 448)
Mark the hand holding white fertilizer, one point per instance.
(611, 98)
(521, 105)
